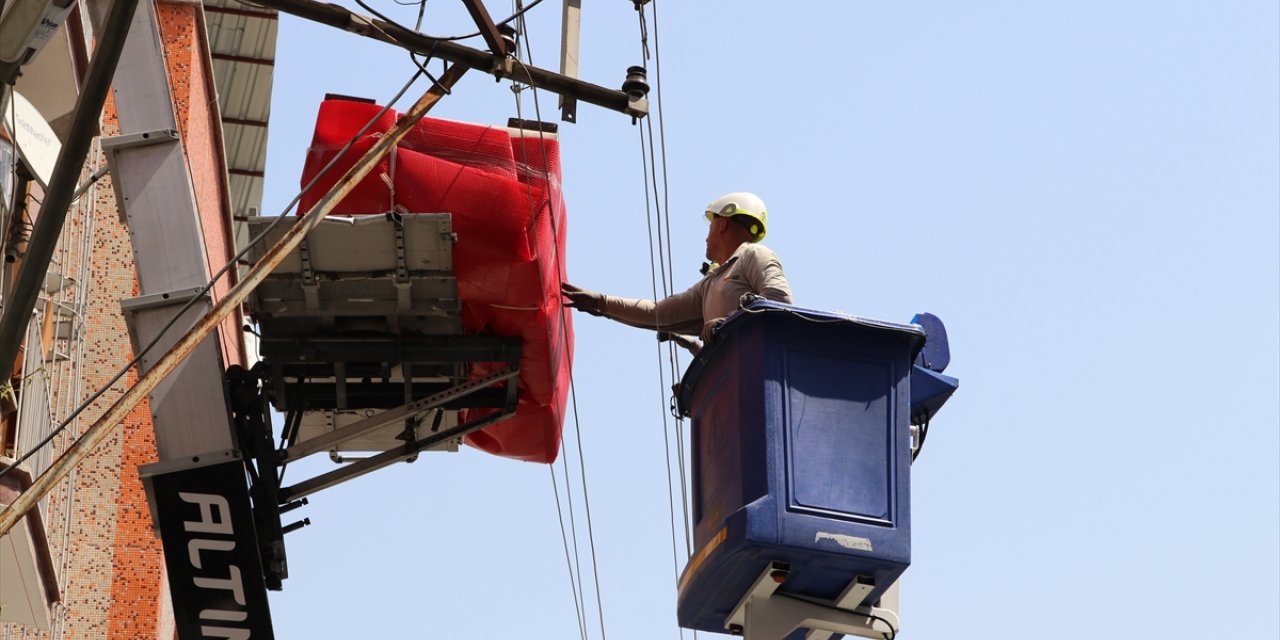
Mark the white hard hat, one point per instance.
(741, 203)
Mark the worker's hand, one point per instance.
(748, 299)
(582, 299)
(715, 325)
(688, 342)
(710, 331)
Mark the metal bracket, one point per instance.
(763, 614)
(159, 136)
(310, 290)
(355, 430)
(402, 259)
(340, 384)
(114, 144)
(637, 107)
(856, 593)
(143, 315)
(386, 458)
(404, 290)
(164, 299)
(570, 27)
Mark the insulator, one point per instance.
(637, 84)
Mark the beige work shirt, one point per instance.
(752, 268)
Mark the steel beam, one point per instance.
(342, 18)
(248, 13)
(570, 27)
(375, 395)
(154, 190)
(245, 59)
(445, 349)
(488, 30)
(245, 123)
(373, 423)
(386, 458)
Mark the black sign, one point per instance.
(211, 551)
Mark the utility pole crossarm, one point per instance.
(342, 18)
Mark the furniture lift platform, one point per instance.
(360, 346)
(361, 321)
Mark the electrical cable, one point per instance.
(891, 633)
(577, 430)
(574, 563)
(208, 286)
(413, 57)
(384, 18)
(662, 212)
(577, 423)
(662, 389)
(664, 223)
(577, 601)
(886, 635)
(580, 592)
(663, 268)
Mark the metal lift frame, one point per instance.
(763, 614)
(282, 378)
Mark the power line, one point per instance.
(563, 328)
(516, 16)
(665, 269)
(674, 352)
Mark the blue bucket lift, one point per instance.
(802, 445)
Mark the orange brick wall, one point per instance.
(112, 588)
(181, 29)
(137, 564)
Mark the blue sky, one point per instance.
(1087, 193)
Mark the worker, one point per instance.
(741, 266)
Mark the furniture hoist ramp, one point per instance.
(361, 351)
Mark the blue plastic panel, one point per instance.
(839, 429)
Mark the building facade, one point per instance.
(89, 564)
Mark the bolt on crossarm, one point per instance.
(236, 296)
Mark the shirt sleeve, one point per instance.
(766, 277)
(680, 313)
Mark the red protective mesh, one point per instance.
(508, 211)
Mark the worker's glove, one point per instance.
(714, 326)
(688, 342)
(582, 299)
(748, 298)
(710, 331)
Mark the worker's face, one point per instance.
(711, 237)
